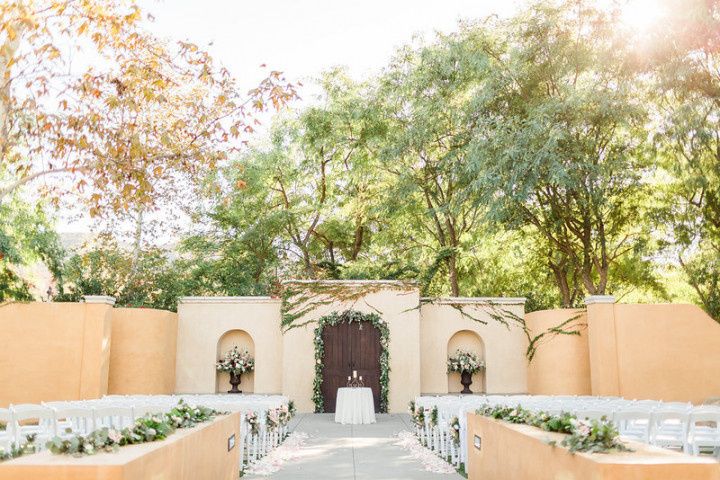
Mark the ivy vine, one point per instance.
(350, 316)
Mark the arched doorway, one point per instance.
(350, 346)
(244, 341)
(471, 342)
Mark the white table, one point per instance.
(354, 406)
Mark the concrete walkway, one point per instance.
(353, 452)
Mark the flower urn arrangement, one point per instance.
(466, 364)
(236, 362)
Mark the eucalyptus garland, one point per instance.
(350, 316)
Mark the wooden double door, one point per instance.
(348, 347)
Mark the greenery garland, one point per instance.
(350, 316)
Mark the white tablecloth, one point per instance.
(354, 406)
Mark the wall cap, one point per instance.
(102, 299)
(593, 299)
(474, 300)
(211, 299)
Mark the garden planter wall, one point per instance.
(198, 453)
(521, 452)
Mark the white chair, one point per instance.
(32, 419)
(150, 409)
(71, 421)
(593, 414)
(633, 424)
(704, 431)
(116, 417)
(669, 428)
(7, 435)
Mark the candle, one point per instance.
(354, 373)
(348, 379)
(361, 378)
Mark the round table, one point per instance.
(354, 406)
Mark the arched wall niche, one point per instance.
(471, 342)
(228, 340)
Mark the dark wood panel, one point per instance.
(348, 347)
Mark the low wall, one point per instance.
(54, 351)
(561, 364)
(668, 352)
(142, 353)
(198, 453)
(203, 326)
(521, 452)
(502, 347)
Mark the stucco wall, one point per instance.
(521, 452)
(142, 352)
(398, 308)
(504, 347)
(197, 453)
(561, 365)
(202, 321)
(53, 351)
(667, 352)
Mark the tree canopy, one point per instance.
(553, 155)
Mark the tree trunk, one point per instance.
(453, 275)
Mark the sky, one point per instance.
(305, 37)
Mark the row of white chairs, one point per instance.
(681, 426)
(67, 418)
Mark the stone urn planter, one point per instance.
(234, 382)
(466, 381)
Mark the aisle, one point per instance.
(353, 452)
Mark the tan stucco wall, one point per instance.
(143, 350)
(561, 365)
(54, 351)
(504, 348)
(198, 453)
(398, 308)
(521, 452)
(668, 352)
(202, 323)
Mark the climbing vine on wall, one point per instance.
(350, 316)
(300, 297)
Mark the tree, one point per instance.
(688, 55)
(27, 241)
(314, 183)
(87, 93)
(425, 96)
(559, 149)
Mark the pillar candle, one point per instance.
(354, 373)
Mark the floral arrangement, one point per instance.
(593, 436)
(433, 420)
(284, 415)
(252, 419)
(418, 416)
(455, 430)
(272, 420)
(291, 408)
(236, 362)
(146, 429)
(350, 316)
(16, 451)
(463, 361)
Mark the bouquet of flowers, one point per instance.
(252, 419)
(464, 361)
(236, 362)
